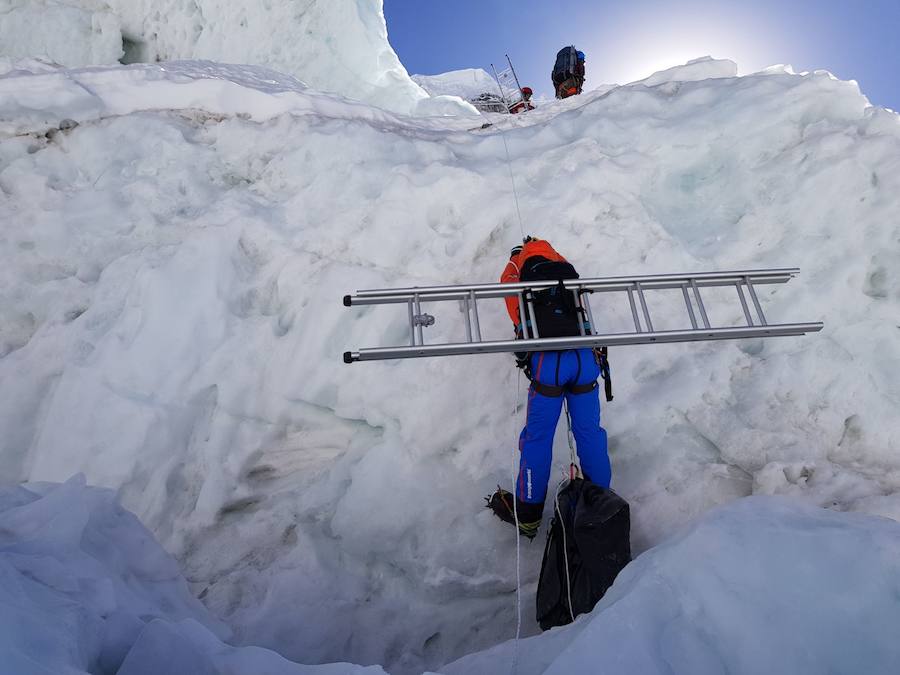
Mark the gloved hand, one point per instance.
(523, 361)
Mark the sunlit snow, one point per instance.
(335, 46)
(171, 326)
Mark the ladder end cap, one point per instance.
(348, 357)
(347, 301)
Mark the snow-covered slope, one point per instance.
(763, 585)
(81, 577)
(86, 589)
(171, 322)
(704, 68)
(338, 46)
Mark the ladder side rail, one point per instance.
(740, 292)
(702, 283)
(759, 276)
(483, 291)
(759, 311)
(690, 308)
(516, 77)
(612, 339)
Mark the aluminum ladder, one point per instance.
(644, 333)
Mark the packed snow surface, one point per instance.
(171, 325)
(705, 68)
(762, 585)
(338, 46)
(86, 589)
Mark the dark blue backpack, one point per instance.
(555, 312)
(566, 61)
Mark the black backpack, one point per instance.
(566, 60)
(591, 533)
(555, 311)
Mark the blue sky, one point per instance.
(628, 40)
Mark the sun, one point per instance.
(656, 62)
(651, 46)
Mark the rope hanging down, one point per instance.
(515, 472)
(509, 160)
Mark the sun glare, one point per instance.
(641, 69)
(651, 47)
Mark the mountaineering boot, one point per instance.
(501, 503)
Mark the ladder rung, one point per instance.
(740, 292)
(690, 308)
(580, 310)
(418, 308)
(586, 299)
(640, 291)
(468, 319)
(523, 320)
(759, 311)
(634, 314)
(534, 327)
(475, 317)
(694, 287)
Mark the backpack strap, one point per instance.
(601, 354)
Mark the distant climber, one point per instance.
(568, 375)
(568, 72)
(524, 103)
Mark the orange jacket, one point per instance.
(513, 268)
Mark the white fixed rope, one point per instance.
(744, 281)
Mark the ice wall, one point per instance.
(338, 46)
(468, 83)
(171, 325)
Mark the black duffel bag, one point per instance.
(589, 534)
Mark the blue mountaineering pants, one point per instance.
(561, 369)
